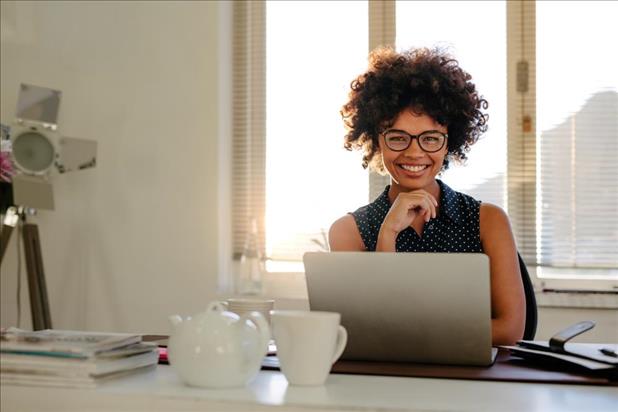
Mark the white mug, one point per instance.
(308, 343)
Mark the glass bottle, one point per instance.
(251, 263)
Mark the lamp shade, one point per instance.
(33, 151)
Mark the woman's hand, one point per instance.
(406, 208)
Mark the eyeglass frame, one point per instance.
(417, 137)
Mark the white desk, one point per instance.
(159, 389)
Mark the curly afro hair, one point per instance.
(427, 81)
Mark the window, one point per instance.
(577, 135)
(313, 51)
(458, 26)
(293, 62)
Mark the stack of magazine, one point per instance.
(70, 358)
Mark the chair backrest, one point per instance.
(531, 310)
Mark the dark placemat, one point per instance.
(160, 340)
(506, 368)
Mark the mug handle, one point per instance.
(342, 340)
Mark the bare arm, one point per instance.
(344, 236)
(508, 305)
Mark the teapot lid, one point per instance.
(216, 312)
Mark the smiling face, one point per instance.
(413, 168)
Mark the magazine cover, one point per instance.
(52, 342)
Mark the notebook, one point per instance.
(406, 307)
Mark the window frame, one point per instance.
(521, 146)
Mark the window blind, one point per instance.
(521, 126)
(577, 133)
(559, 190)
(290, 169)
(249, 121)
(382, 32)
(311, 180)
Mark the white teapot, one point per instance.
(218, 349)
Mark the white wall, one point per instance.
(135, 239)
(554, 319)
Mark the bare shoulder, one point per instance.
(495, 224)
(493, 215)
(344, 235)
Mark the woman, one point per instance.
(412, 113)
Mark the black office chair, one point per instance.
(531, 311)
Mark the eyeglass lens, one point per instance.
(429, 141)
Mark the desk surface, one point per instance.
(159, 389)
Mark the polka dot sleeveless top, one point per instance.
(455, 230)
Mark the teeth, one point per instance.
(413, 168)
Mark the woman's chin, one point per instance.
(408, 184)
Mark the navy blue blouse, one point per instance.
(456, 229)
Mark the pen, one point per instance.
(608, 352)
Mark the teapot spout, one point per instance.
(175, 320)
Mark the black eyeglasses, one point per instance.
(429, 141)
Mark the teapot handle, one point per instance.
(263, 329)
(217, 306)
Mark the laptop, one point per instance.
(406, 307)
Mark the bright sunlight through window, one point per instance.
(474, 32)
(314, 50)
(577, 128)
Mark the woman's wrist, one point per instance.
(387, 239)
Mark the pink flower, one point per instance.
(6, 167)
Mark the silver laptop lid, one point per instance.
(417, 307)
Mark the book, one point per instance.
(85, 382)
(71, 358)
(77, 367)
(63, 343)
